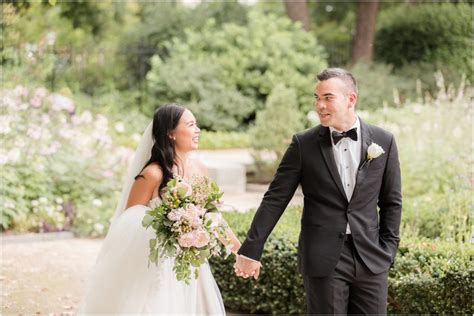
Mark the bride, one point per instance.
(122, 281)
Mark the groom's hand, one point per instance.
(246, 267)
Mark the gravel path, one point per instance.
(45, 277)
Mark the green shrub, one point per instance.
(277, 122)
(225, 73)
(223, 140)
(379, 86)
(427, 277)
(431, 33)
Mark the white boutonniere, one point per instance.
(373, 152)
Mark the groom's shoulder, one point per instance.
(309, 133)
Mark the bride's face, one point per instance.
(186, 134)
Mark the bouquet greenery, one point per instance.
(188, 225)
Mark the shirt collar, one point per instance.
(355, 125)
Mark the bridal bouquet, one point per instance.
(188, 225)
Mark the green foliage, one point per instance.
(432, 33)
(277, 122)
(378, 86)
(160, 22)
(223, 140)
(225, 73)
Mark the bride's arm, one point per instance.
(144, 186)
(230, 238)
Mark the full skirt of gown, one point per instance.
(123, 282)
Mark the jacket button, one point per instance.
(341, 235)
(349, 210)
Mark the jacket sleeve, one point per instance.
(274, 202)
(390, 202)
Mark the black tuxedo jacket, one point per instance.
(373, 213)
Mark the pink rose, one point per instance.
(183, 185)
(175, 215)
(202, 238)
(196, 238)
(187, 240)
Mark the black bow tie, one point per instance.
(352, 134)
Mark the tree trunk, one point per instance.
(363, 42)
(297, 10)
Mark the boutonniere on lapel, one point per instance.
(373, 152)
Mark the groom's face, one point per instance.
(334, 102)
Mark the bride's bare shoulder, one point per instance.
(152, 172)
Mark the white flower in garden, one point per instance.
(45, 119)
(98, 227)
(20, 91)
(14, 155)
(101, 124)
(8, 102)
(9, 205)
(97, 202)
(49, 210)
(374, 151)
(119, 127)
(3, 159)
(38, 166)
(35, 102)
(20, 143)
(4, 126)
(34, 203)
(41, 92)
(66, 133)
(86, 117)
(43, 200)
(34, 132)
(108, 173)
(59, 200)
(60, 102)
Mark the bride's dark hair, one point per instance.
(165, 120)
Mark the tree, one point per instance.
(297, 11)
(363, 42)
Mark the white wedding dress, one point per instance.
(122, 281)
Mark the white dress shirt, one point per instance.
(347, 157)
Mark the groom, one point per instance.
(350, 176)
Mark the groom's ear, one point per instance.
(352, 99)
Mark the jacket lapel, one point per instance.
(366, 140)
(328, 155)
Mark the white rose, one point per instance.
(374, 151)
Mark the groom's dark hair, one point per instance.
(340, 73)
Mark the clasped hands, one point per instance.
(246, 267)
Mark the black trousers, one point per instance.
(350, 289)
